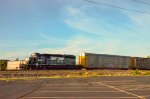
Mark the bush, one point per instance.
(3, 65)
(137, 72)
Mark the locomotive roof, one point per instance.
(55, 55)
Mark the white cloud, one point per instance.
(123, 42)
(81, 43)
(142, 21)
(24, 49)
(73, 12)
(94, 36)
(102, 25)
(84, 22)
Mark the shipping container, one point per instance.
(104, 61)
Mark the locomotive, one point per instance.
(50, 61)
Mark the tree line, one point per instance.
(3, 64)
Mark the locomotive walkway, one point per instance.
(128, 87)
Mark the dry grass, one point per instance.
(30, 75)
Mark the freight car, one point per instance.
(50, 61)
(86, 60)
(104, 61)
(140, 63)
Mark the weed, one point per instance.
(137, 72)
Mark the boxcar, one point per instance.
(140, 63)
(104, 61)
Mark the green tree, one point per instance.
(3, 65)
(148, 56)
(17, 59)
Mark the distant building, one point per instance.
(15, 65)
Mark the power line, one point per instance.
(99, 3)
(141, 2)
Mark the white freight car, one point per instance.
(104, 61)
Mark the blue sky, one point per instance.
(73, 26)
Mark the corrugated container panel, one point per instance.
(143, 63)
(140, 63)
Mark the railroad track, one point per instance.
(37, 73)
(63, 73)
